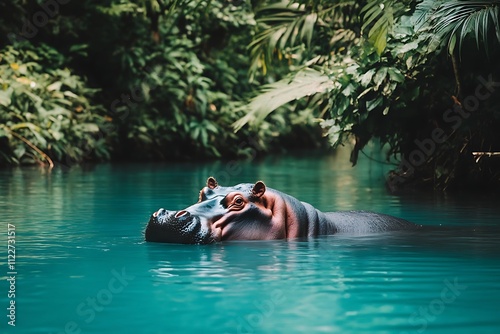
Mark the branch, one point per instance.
(455, 72)
(479, 155)
(33, 146)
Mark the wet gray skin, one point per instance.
(179, 227)
(211, 220)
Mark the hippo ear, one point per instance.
(258, 189)
(212, 182)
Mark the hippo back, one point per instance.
(361, 222)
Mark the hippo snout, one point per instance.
(179, 227)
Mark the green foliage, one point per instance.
(45, 110)
(173, 78)
(305, 83)
(388, 79)
(172, 75)
(190, 84)
(379, 16)
(279, 27)
(291, 31)
(454, 21)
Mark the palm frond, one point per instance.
(455, 21)
(280, 24)
(285, 24)
(305, 83)
(424, 11)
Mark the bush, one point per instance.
(46, 111)
(172, 78)
(399, 72)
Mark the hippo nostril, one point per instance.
(181, 213)
(159, 212)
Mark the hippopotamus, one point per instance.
(252, 211)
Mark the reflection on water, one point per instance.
(83, 265)
(389, 282)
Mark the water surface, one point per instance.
(83, 267)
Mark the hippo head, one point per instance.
(222, 213)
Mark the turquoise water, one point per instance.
(82, 265)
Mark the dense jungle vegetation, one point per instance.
(176, 79)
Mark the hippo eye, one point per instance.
(237, 203)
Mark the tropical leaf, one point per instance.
(285, 24)
(379, 16)
(455, 21)
(305, 83)
(280, 25)
(423, 13)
